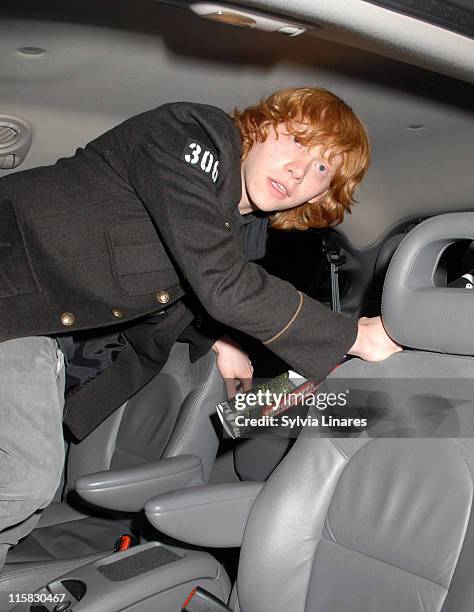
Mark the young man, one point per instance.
(148, 224)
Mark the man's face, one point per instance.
(281, 173)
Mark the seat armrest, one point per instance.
(209, 515)
(128, 489)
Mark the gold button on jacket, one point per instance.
(68, 319)
(163, 297)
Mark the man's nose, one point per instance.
(298, 168)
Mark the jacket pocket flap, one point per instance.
(139, 260)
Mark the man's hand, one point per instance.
(234, 365)
(373, 343)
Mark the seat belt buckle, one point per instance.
(200, 600)
(124, 542)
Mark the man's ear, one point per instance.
(316, 198)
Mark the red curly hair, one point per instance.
(332, 124)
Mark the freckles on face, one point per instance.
(280, 173)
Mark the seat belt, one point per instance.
(335, 261)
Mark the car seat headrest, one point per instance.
(418, 309)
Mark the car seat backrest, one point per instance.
(197, 428)
(175, 404)
(359, 526)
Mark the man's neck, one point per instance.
(244, 208)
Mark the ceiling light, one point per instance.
(416, 127)
(231, 18)
(246, 18)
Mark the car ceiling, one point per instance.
(106, 60)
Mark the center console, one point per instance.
(144, 578)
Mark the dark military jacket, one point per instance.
(140, 220)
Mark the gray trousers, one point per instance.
(31, 438)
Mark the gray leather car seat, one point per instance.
(384, 523)
(163, 438)
(368, 524)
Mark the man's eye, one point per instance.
(321, 168)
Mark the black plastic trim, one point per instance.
(454, 15)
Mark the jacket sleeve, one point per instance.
(194, 218)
